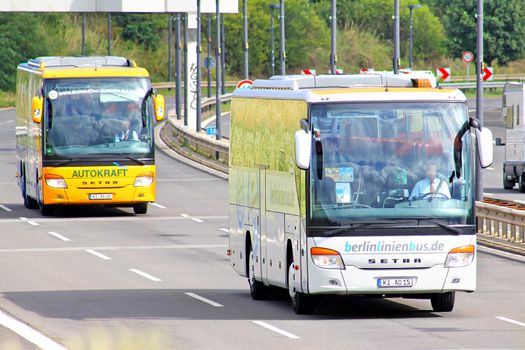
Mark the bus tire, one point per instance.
(508, 185)
(443, 302)
(258, 290)
(46, 210)
(29, 202)
(140, 208)
(522, 183)
(303, 304)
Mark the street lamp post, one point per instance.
(333, 27)
(283, 39)
(272, 30)
(396, 37)
(245, 44)
(479, 90)
(410, 57)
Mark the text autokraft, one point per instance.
(100, 173)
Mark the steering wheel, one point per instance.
(434, 194)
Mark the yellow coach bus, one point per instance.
(84, 131)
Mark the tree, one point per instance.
(504, 29)
(20, 39)
(306, 36)
(142, 29)
(375, 16)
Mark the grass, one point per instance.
(7, 99)
(471, 93)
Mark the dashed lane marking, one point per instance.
(204, 300)
(5, 208)
(113, 248)
(224, 230)
(146, 275)
(184, 215)
(158, 205)
(501, 318)
(114, 218)
(28, 333)
(97, 254)
(197, 220)
(275, 329)
(59, 236)
(30, 222)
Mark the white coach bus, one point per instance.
(354, 185)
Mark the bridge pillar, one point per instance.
(191, 68)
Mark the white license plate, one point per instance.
(402, 282)
(100, 196)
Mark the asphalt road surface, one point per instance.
(95, 278)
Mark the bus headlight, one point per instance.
(327, 258)
(143, 180)
(460, 256)
(55, 181)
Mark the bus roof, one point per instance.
(350, 88)
(83, 67)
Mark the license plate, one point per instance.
(100, 196)
(402, 282)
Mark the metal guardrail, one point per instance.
(497, 77)
(501, 219)
(486, 85)
(171, 84)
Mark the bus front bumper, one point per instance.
(355, 281)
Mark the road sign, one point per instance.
(308, 72)
(488, 74)
(208, 62)
(467, 57)
(443, 74)
(211, 130)
(245, 84)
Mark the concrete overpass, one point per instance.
(134, 6)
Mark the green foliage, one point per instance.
(307, 37)
(20, 39)
(504, 28)
(375, 16)
(141, 29)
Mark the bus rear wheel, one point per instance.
(522, 183)
(443, 302)
(140, 208)
(258, 290)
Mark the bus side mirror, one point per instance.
(303, 148)
(36, 109)
(158, 105)
(485, 147)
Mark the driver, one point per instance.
(431, 185)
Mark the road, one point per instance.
(94, 278)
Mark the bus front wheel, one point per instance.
(303, 304)
(140, 208)
(443, 302)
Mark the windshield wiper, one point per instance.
(136, 160)
(352, 227)
(448, 227)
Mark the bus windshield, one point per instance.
(87, 117)
(393, 162)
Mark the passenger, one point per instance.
(430, 186)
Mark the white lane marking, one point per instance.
(30, 222)
(113, 248)
(117, 218)
(145, 275)
(491, 168)
(204, 300)
(488, 194)
(197, 220)
(275, 329)
(184, 215)
(158, 205)
(5, 208)
(100, 255)
(28, 333)
(225, 230)
(510, 321)
(59, 236)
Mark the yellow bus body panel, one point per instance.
(83, 181)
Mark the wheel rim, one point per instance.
(251, 274)
(291, 289)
